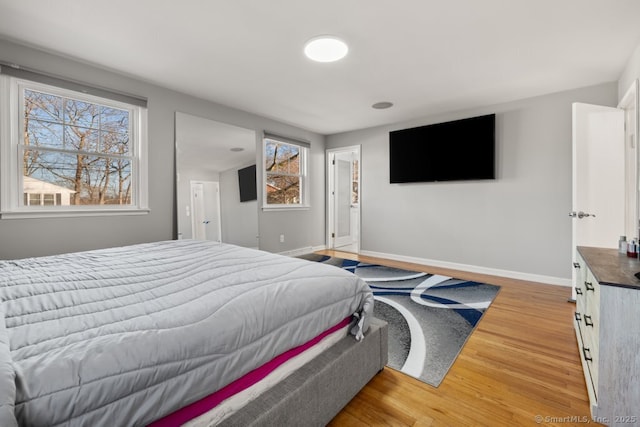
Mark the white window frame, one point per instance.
(303, 176)
(11, 137)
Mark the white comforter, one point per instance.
(124, 336)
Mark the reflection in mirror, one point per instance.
(215, 188)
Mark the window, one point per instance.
(355, 182)
(285, 173)
(31, 199)
(65, 151)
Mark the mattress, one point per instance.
(219, 405)
(124, 336)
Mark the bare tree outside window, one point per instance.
(284, 173)
(355, 181)
(79, 146)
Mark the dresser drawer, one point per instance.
(608, 339)
(587, 359)
(592, 295)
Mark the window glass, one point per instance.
(284, 173)
(78, 146)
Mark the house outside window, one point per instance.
(69, 152)
(285, 173)
(40, 193)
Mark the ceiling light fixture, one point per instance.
(325, 49)
(237, 149)
(382, 105)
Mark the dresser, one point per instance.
(607, 324)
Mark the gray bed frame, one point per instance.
(315, 393)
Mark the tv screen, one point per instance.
(451, 151)
(247, 182)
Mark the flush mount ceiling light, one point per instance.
(382, 105)
(325, 49)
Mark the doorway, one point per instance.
(343, 198)
(205, 208)
(629, 104)
(605, 181)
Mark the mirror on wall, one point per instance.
(215, 185)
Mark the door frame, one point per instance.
(632, 160)
(192, 183)
(329, 155)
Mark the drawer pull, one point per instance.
(589, 286)
(587, 354)
(588, 321)
(578, 291)
(576, 265)
(578, 317)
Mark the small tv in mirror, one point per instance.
(247, 183)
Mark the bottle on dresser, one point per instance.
(622, 245)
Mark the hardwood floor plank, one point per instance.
(522, 361)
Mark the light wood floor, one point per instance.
(522, 361)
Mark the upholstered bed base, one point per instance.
(316, 392)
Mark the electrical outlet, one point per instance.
(282, 238)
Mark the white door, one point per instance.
(598, 177)
(205, 205)
(343, 196)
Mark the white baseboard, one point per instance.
(550, 280)
(303, 251)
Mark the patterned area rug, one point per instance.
(430, 316)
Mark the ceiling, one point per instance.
(205, 145)
(425, 56)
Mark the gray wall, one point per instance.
(518, 222)
(239, 219)
(294, 224)
(32, 237)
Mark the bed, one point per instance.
(148, 334)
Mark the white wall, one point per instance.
(239, 219)
(33, 237)
(630, 73)
(516, 224)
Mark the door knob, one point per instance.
(580, 214)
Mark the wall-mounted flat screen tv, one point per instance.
(452, 151)
(247, 183)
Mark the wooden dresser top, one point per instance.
(610, 267)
